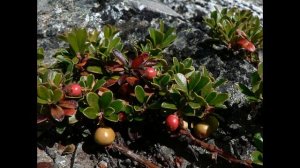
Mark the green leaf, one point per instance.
(181, 81)
(42, 101)
(219, 83)
(257, 158)
(117, 105)
(114, 42)
(260, 70)
(194, 105)
(258, 141)
(138, 108)
(201, 84)
(214, 15)
(98, 84)
(194, 80)
(245, 90)
(188, 111)
(165, 80)
(89, 81)
(206, 90)
(187, 62)
(219, 99)
(40, 54)
(211, 96)
(168, 106)
(128, 109)
(43, 92)
(57, 79)
(90, 113)
(110, 114)
(139, 93)
(167, 41)
(60, 130)
(94, 69)
(175, 61)
(77, 40)
(57, 95)
(93, 100)
(106, 99)
(200, 100)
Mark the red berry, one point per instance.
(172, 122)
(73, 90)
(247, 45)
(122, 116)
(150, 73)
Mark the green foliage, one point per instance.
(237, 29)
(255, 93)
(257, 156)
(160, 39)
(104, 104)
(114, 82)
(188, 90)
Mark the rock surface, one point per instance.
(133, 18)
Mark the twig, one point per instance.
(214, 149)
(125, 151)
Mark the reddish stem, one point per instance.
(214, 149)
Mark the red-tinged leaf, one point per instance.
(150, 63)
(81, 64)
(247, 45)
(42, 118)
(122, 79)
(57, 113)
(139, 60)
(84, 73)
(114, 67)
(102, 90)
(132, 80)
(110, 82)
(69, 111)
(125, 90)
(68, 104)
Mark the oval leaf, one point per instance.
(139, 93)
(43, 93)
(106, 99)
(219, 99)
(181, 81)
(94, 69)
(90, 113)
(257, 157)
(68, 104)
(210, 97)
(69, 111)
(89, 81)
(109, 114)
(168, 106)
(57, 113)
(93, 100)
(194, 105)
(98, 84)
(57, 95)
(117, 105)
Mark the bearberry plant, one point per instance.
(237, 29)
(95, 83)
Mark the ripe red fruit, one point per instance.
(172, 122)
(73, 90)
(247, 45)
(150, 73)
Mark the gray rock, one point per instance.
(42, 156)
(60, 161)
(82, 159)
